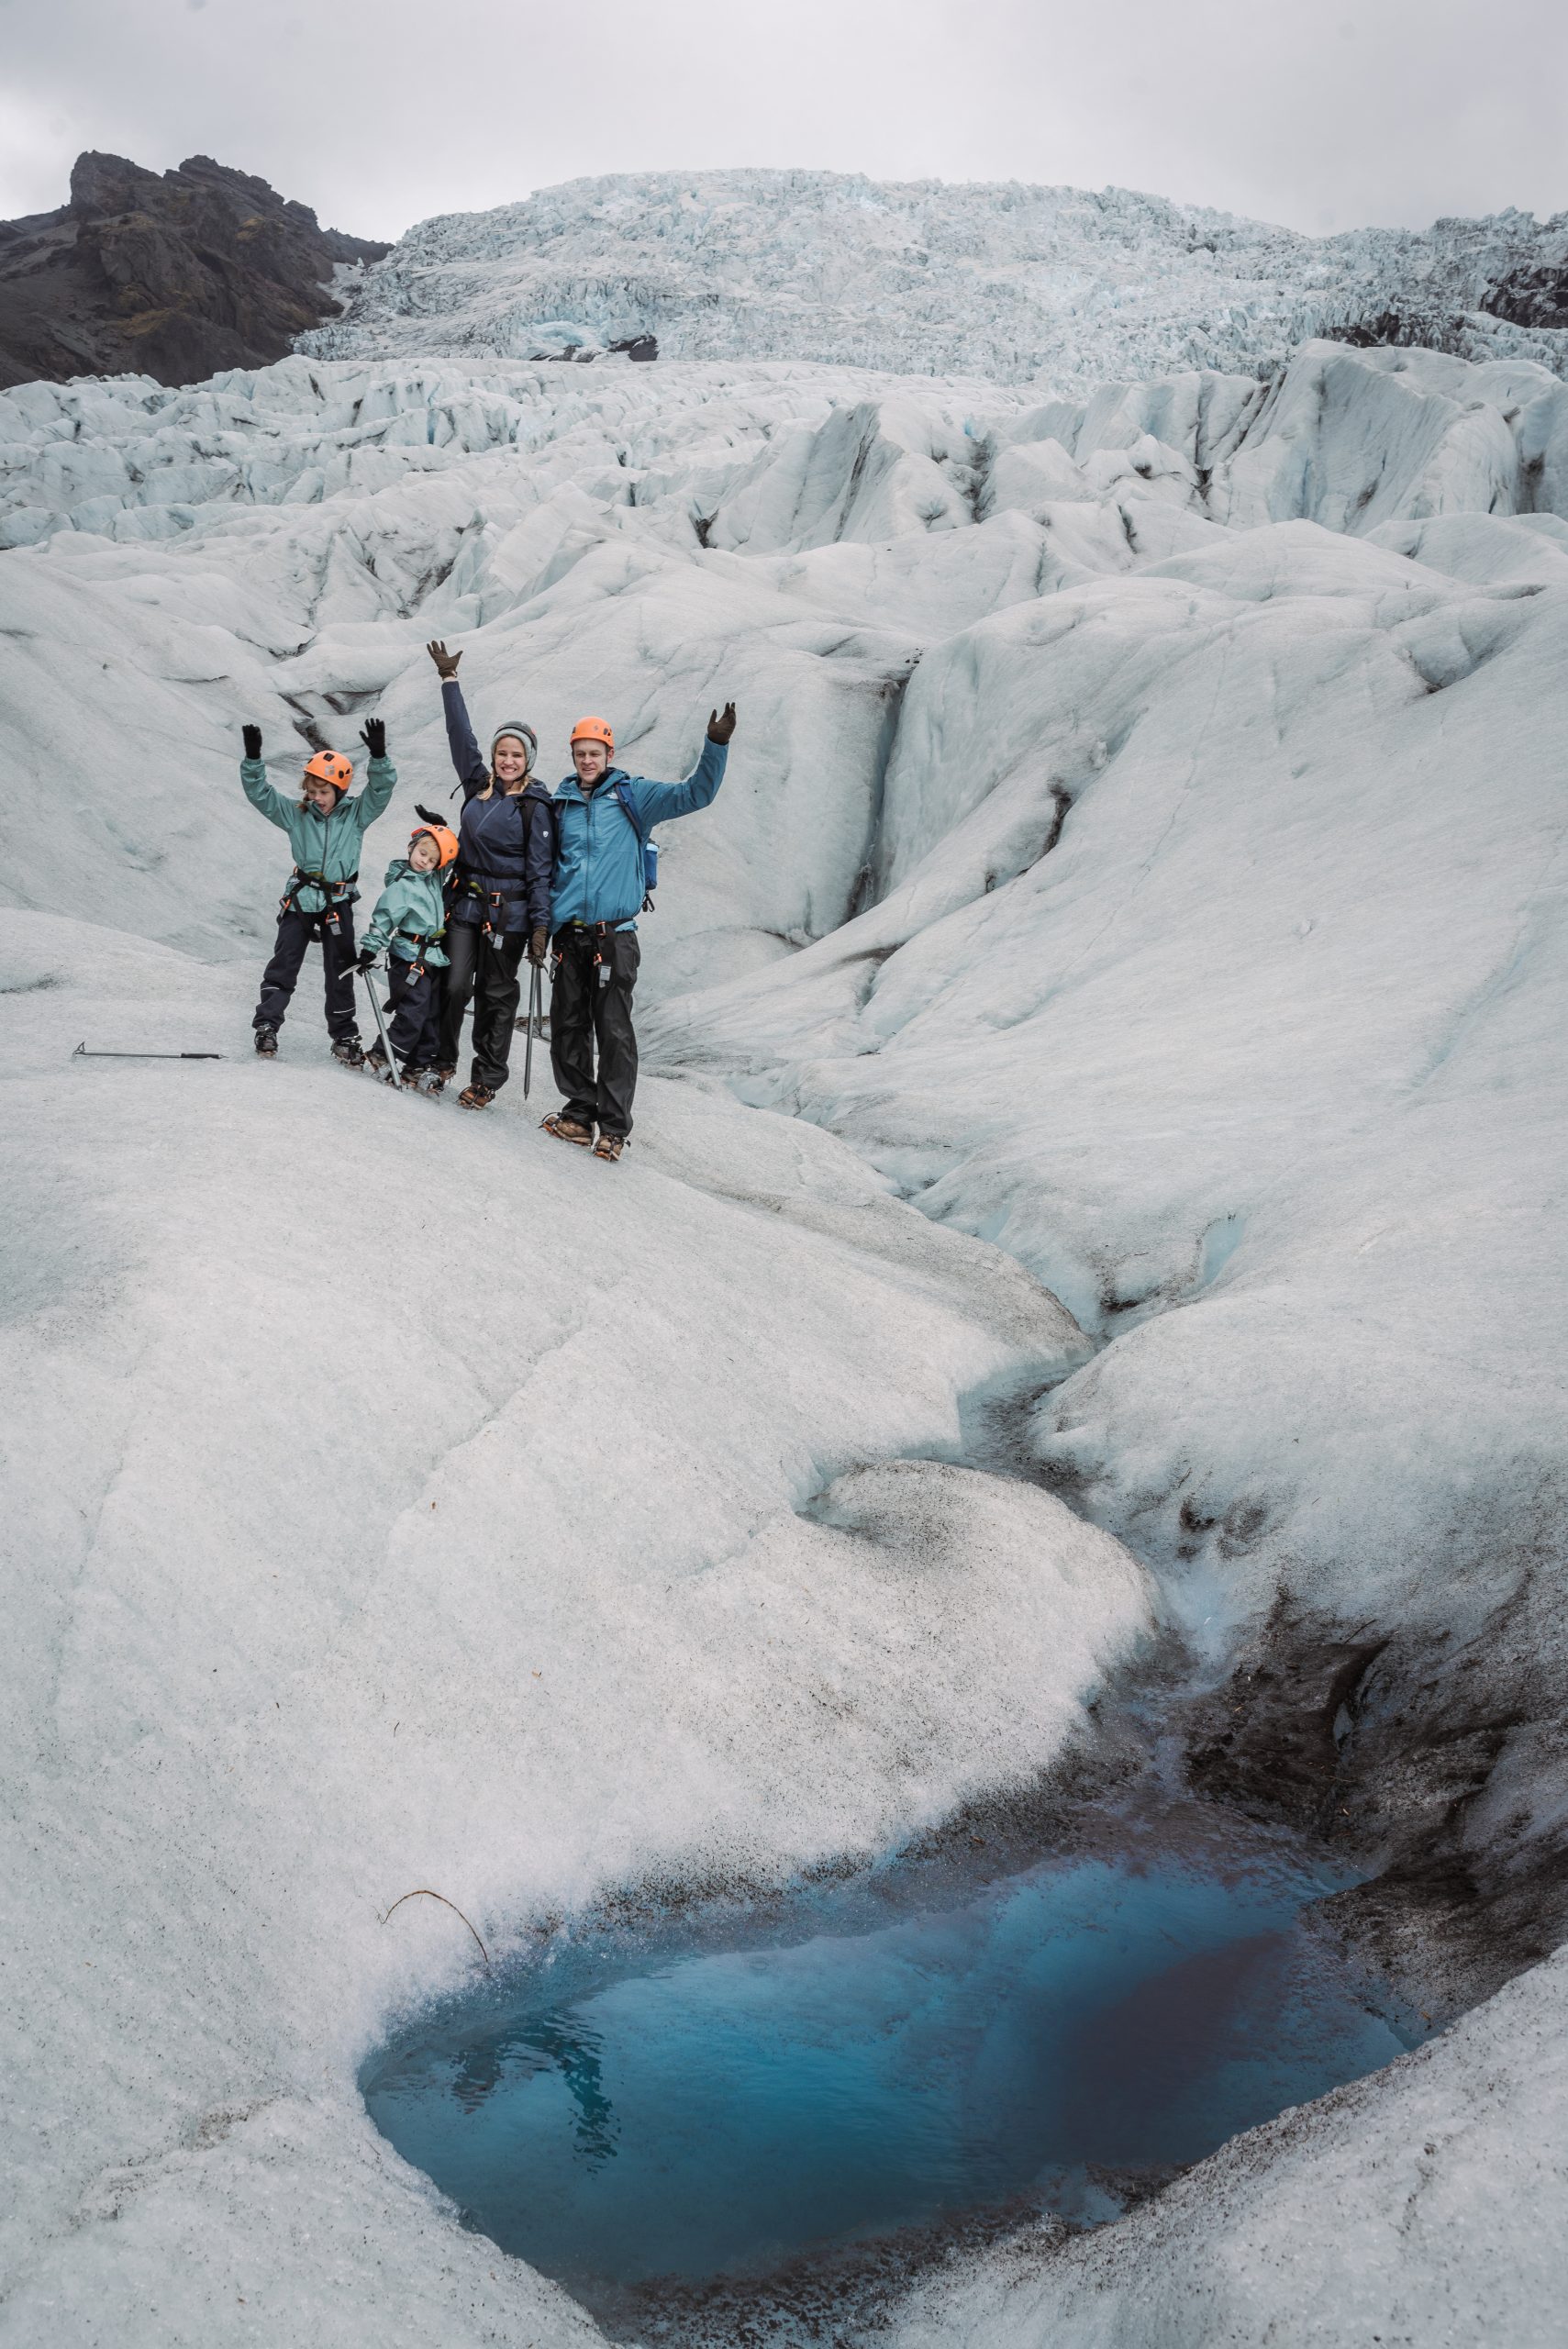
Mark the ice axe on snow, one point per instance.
(380, 1029)
(82, 1054)
(536, 1013)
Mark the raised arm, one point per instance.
(469, 767)
(381, 776)
(657, 802)
(264, 796)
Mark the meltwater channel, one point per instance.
(677, 2108)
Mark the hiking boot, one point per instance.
(267, 1043)
(441, 1078)
(476, 1097)
(376, 1061)
(349, 1049)
(609, 1146)
(566, 1128)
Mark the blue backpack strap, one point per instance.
(644, 841)
(623, 800)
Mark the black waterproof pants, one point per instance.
(335, 929)
(584, 1013)
(488, 972)
(416, 1001)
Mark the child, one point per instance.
(324, 828)
(409, 920)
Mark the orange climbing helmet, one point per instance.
(327, 767)
(593, 729)
(445, 841)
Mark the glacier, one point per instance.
(1066, 287)
(1116, 999)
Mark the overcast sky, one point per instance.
(1323, 113)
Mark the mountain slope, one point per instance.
(168, 275)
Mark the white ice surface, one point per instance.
(397, 1498)
(1259, 1068)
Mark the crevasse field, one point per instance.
(1122, 979)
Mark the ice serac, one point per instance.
(1133, 919)
(1065, 286)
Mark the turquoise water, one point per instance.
(716, 2111)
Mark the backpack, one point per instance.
(646, 841)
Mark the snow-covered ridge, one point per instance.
(1051, 285)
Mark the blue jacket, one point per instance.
(598, 856)
(506, 843)
(410, 918)
(324, 845)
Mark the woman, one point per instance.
(501, 901)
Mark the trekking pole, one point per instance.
(82, 1054)
(536, 1011)
(380, 1031)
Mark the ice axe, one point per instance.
(381, 1030)
(82, 1054)
(536, 1012)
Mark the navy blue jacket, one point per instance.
(598, 873)
(506, 843)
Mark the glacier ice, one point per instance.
(1066, 287)
(1139, 883)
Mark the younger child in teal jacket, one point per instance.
(324, 829)
(409, 921)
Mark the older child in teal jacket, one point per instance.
(324, 829)
(409, 921)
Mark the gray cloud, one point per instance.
(380, 112)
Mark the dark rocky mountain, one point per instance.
(172, 274)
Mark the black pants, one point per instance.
(296, 931)
(582, 1013)
(487, 972)
(415, 1031)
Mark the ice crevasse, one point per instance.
(1123, 968)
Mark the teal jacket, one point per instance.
(326, 848)
(410, 916)
(598, 856)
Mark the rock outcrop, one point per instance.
(172, 274)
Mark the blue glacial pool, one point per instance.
(690, 2112)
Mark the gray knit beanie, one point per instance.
(523, 733)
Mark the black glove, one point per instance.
(720, 728)
(372, 734)
(429, 816)
(539, 947)
(252, 741)
(365, 958)
(446, 663)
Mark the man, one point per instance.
(603, 819)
